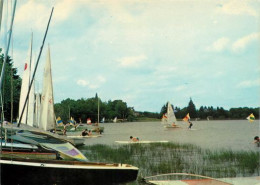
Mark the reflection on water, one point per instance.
(235, 134)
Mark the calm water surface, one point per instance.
(235, 134)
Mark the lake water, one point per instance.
(235, 134)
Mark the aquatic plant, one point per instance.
(159, 158)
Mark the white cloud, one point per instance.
(94, 84)
(243, 42)
(36, 14)
(234, 7)
(239, 45)
(219, 45)
(132, 61)
(180, 88)
(82, 83)
(101, 79)
(249, 83)
(33, 14)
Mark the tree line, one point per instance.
(205, 112)
(83, 108)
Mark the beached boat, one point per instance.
(140, 142)
(183, 179)
(171, 121)
(64, 172)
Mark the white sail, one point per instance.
(47, 117)
(31, 101)
(37, 109)
(171, 119)
(115, 120)
(25, 86)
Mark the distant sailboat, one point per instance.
(251, 118)
(115, 120)
(187, 117)
(171, 119)
(103, 120)
(59, 122)
(89, 121)
(47, 116)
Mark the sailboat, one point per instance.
(171, 119)
(187, 117)
(251, 118)
(47, 115)
(28, 114)
(115, 120)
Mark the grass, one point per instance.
(160, 158)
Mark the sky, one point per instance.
(144, 52)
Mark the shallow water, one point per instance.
(235, 134)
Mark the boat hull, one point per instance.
(59, 172)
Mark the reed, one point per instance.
(160, 158)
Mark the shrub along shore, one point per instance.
(153, 159)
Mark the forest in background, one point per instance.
(88, 107)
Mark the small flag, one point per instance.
(59, 121)
(187, 117)
(251, 117)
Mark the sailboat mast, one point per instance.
(38, 59)
(7, 48)
(1, 12)
(98, 110)
(5, 60)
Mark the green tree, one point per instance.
(11, 88)
(192, 109)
